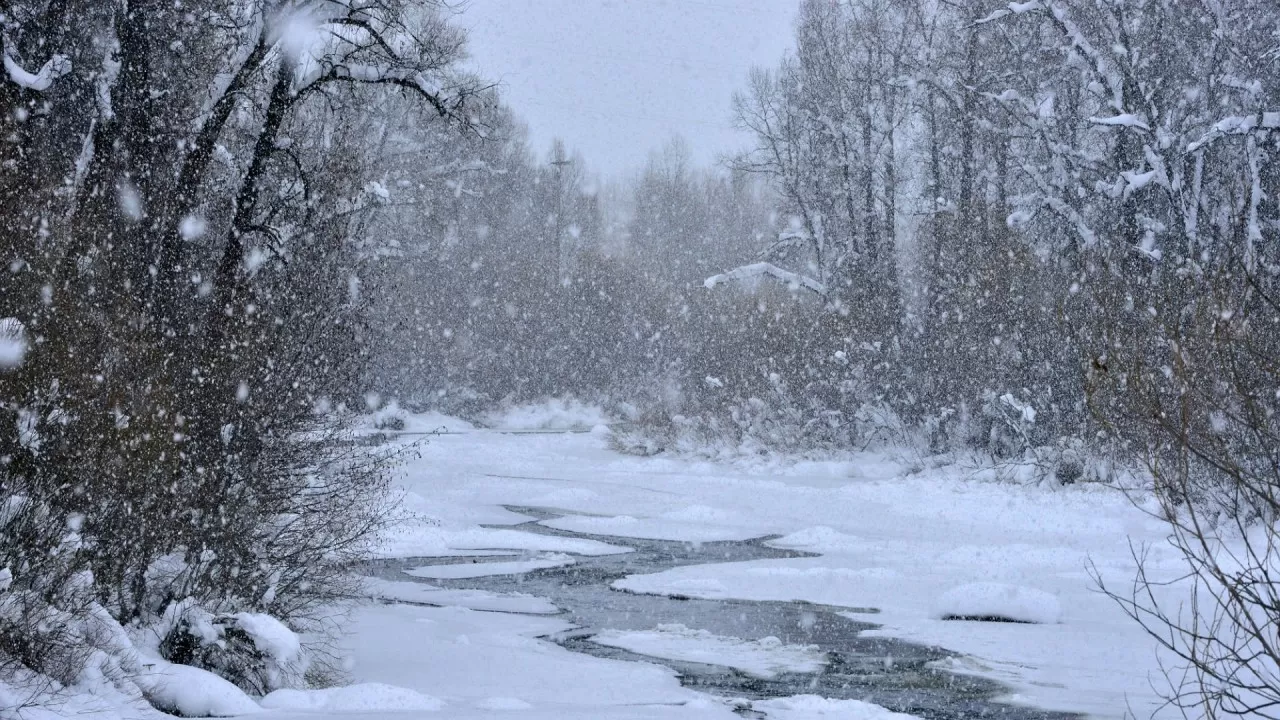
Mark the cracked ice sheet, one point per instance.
(484, 569)
(765, 658)
(420, 535)
(487, 665)
(693, 523)
(484, 600)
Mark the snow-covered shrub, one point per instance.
(778, 421)
(255, 651)
(43, 590)
(389, 417)
(878, 424)
(646, 435)
(53, 633)
(763, 425)
(549, 414)
(1010, 425)
(945, 430)
(998, 602)
(80, 562)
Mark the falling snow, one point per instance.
(815, 358)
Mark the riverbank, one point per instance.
(546, 576)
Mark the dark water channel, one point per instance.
(884, 671)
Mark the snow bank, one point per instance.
(820, 539)
(835, 586)
(390, 417)
(24, 695)
(363, 697)
(419, 592)
(481, 569)
(192, 692)
(691, 523)
(419, 539)
(998, 602)
(764, 658)
(503, 703)
(706, 588)
(556, 414)
(486, 665)
(804, 707)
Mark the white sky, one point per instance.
(616, 78)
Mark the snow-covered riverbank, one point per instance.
(919, 548)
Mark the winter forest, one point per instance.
(325, 391)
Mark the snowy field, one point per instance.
(920, 548)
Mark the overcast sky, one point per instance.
(616, 78)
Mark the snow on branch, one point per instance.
(1103, 68)
(1013, 8)
(1135, 181)
(1238, 125)
(761, 269)
(786, 243)
(56, 67)
(1101, 65)
(1128, 120)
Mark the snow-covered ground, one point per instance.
(920, 548)
(488, 664)
(424, 594)
(917, 547)
(478, 569)
(764, 658)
